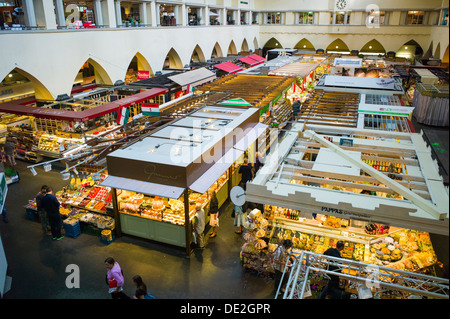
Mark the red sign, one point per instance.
(152, 105)
(142, 75)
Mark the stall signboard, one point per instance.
(142, 75)
(150, 109)
(359, 82)
(348, 63)
(385, 109)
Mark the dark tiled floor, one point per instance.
(38, 262)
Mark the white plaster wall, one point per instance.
(55, 58)
(391, 37)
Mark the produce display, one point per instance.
(164, 209)
(408, 250)
(51, 143)
(157, 208)
(86, 194)
(405, 249)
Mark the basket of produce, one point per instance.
(106, 235)
(260, 244)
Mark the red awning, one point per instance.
(228, 67)
(257, 58)
(249, 61)
(14, 107)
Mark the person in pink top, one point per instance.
(114, 278)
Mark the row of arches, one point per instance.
(92, 71)
(372, 47)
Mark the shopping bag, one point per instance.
(148, 296)
(194, 238)
(112, 284)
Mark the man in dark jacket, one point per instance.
(247, 173)
(332, 289)
(42, 213)
(51, 205)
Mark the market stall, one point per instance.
(355, 84)
(379, 192)
(176, 167)
(252, 60)
(382, 112)
(58, 127)
(227, 68)
(325, 107)
(431, 104)
(85, 206)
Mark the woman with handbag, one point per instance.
(114, 277)
(214, 214)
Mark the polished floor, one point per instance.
(36, 261)
(37, 264)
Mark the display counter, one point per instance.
(393, 247)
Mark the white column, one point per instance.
(176, 14)
(30, 14)
(60, 19)
(206, 15)
(153, 13)
(158, 14)
(200, 16)
(143, 12)
(184, 17)
(98, 12)
(345, 17)
(224, 16)
(45, 14)
(109, 13)
(118, 13)
(334, 17)
(264, 21)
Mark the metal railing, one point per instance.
(372, 276)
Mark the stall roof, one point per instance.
(72, 116)
(289, 179)
(143, 187)
(295, 69)
(180, 155)
(194, 77)
(252, 59)
(228, 67)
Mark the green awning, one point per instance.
(235, 102)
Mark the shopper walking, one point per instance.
(332, 288)
(238, 218)
(199, 225)
(50, 204)
(114, 277)
(213, 213)
(295, 109)
(280, 258)
(141, 289)
(258, 163)
(41, 211)
(246, 172)
(9, 149)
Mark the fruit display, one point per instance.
(51, 143)
(408, 250)
(155, 208)
(315, 243)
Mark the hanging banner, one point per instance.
(122, 117)
(150, 109)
